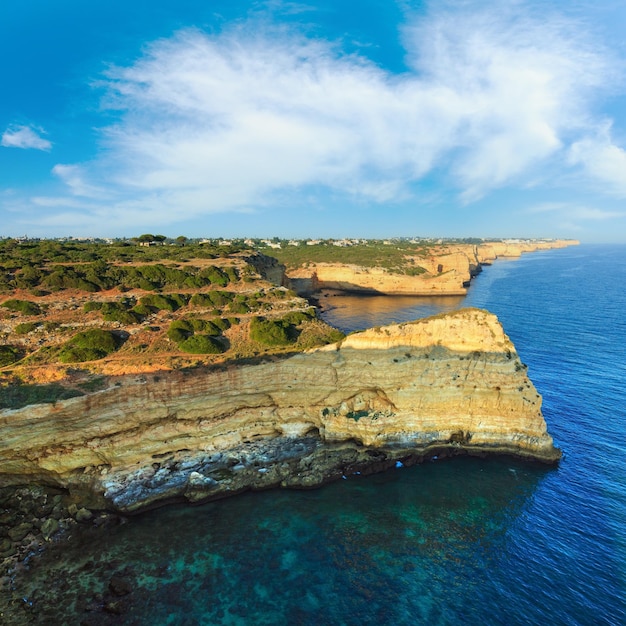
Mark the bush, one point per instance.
(161, 302)
(8, 355)
(143, 310)
(121, 316)
(89, 345)
(180, 330)
(92, 306)
(239, 307)
(215, 276)
(26, 307)
(297, 317)
(25, 328)
(270, 332)
(221, 323)
(210, 328)
(119, 312)
(201, 344)
(201, 299)
(215, 298)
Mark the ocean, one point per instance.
(456, 541)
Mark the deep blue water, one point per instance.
(460, 541)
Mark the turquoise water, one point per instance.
(460, 541)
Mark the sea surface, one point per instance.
(458, 541)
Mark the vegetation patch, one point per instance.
(26, 307)
(26, 327)
(160, 302)
(89, 345)
(201, 344)
(9, 355)
(180, 330)
(271, 332)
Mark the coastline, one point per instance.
(446, 270)
(300, 460)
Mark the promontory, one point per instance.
(441, 386)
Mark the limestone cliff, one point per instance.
(446, 270)
(445, 385)
(488, 252)
(354, 278)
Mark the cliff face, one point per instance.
(354, 278)
(488, 252)
(444, 385)
(447, 271)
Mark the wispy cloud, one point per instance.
(233, 121)
(25, 137)
(603, 160)
(74, 177)
(575, 211)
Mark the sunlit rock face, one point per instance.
(445, 385)
(448, 270)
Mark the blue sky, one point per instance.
(368, 118)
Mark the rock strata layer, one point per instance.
(446, 385)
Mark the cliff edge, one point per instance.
(450, 384)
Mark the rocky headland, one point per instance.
(451, 384)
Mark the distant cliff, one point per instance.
(445, 270)
(445, 385)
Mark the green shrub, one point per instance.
(180, 330)
(215, 276)
(144, 310)
(239, 307)
(92, 306)
(26, 307)
(297, 317)
(120, 312)
(201, 299)
(270, 332)
(201, 344)
(210, 328)
(25, 328)
(221, 323)
(121, 316)
(8, 355)
(215, 298)
(89, 345)
(161, 302)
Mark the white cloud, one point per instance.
(25, 137)
(75, 178)
(233, 117)
(602, 159)
(233, 121)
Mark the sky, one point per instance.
(331, 118)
